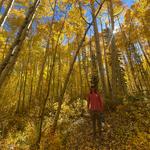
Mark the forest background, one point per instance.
(51, 51)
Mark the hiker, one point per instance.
(95, 107)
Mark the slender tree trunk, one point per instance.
(146, 58)
(31, 91)
(94, 69)
(113, 54)
(40, 80)
(59, 74)
(133, 70)
(24, 90)
(18, 109)
(53, 84)
(85, 67)
(5, 15)
(106, 62)
(128, 74)
(81, 79)
(81, 85)
(25, 83)
(98, 51)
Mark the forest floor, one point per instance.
(126, 128)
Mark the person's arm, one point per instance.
(88, 101)
(101, 102)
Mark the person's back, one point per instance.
(95, 102)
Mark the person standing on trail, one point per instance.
(95, 106)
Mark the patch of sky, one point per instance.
(2, 10)
(67, 40)
(128, 2)
(59, 14)
(7, 26)
(34, 27)
(19, 6)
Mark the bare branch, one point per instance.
(97, 2)
(81, 13)
(101, 5)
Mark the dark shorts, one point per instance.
(97, 114)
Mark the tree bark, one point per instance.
(85, 67)
(105, 59)
(113, 54)
(18, 108)
(98, 51)
(146, 58)
(128, 74)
